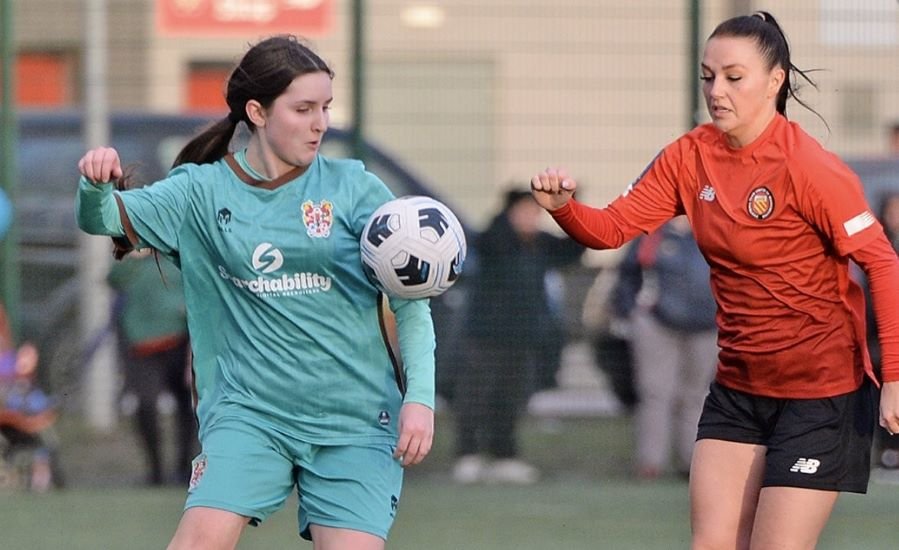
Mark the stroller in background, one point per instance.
(28, 442)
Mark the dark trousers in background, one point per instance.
(493, 385)
(147, 377)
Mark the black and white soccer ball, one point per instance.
(413, 247)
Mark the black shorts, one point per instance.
(812, 443)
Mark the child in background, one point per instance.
(26, 414)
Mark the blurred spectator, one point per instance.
(609, 335)
(152, 327)
(663, 285)
(548, 357)
(509, 325)
(886, 447)
(27, 416)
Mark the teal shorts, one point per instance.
(250, 470)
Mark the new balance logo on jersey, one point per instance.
(707, 193)
(806, 466)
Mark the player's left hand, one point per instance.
(416, 433)
(889, 407)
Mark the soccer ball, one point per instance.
(413, 247)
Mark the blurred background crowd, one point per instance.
(457, 99)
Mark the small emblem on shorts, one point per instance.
(761, 203)
(394, 503)
(806, 466)
(383, 418)
(197, 469)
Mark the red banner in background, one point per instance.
(230, 17)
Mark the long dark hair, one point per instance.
(263, 74)
(773, 45)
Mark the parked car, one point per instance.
(49, 146)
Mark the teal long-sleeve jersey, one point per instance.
(283, 322)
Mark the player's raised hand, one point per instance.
(552, 188)
(416, 433)
(101, 165)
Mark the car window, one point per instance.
(46, 190)
(337, 144)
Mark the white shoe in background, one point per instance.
(511, 471)
(469, 469)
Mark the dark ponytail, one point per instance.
(210, 145)
(264, 72)
(772, 43)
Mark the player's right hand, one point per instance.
(101, 165)
(552, 188)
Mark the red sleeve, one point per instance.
(648, 203)
(592, 227)
(834, 200)
(881, 266)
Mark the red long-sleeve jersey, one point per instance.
(778, 221)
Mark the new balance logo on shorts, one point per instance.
(806, 465)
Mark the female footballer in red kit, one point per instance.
(788, 422)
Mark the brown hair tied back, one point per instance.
(264, 72)
(772, 42)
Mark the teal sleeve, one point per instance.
(415, 329)
(96, 210)
(5, 214)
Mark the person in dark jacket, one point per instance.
(663, 288)
(510, 323)
(887, 447)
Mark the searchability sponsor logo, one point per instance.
(285, 285)
(267, 258)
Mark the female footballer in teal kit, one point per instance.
(295, 385)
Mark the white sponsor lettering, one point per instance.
(244, 10)
(298, 283)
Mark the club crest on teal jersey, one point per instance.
(317, 217)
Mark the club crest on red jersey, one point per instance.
(317, 218)
(761, 203)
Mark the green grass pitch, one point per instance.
(586, 501)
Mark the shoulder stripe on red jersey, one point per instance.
(858, 223)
